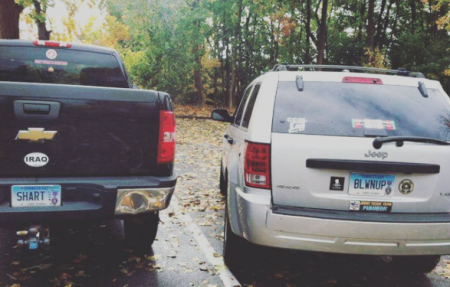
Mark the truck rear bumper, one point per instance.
(259, 223)
(88, 198)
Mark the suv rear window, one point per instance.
(343, 109)
(70, 67)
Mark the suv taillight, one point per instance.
(361, 80)
(166, 143)
(257, 165)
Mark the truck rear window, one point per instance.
(344, 109)
(70, 67)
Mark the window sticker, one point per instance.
(51, 54)
(374, 124)
(48, 62)
(297, 125)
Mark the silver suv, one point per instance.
(353, 160)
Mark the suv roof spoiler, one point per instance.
(399, 72)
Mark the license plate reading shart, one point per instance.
(35, 195)
(371, 184)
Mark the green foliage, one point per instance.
(165, 38)
(170, 40)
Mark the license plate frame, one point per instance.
(48, 195)
(379, 184)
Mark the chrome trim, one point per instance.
(427, 244)
(361, 243)
(306, 239)
(140, 200)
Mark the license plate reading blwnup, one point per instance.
(35, 195)
(371, 184)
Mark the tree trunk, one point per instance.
(308, 32)
(371, 25)
(412, 4)
(9, 19)
(198, 81)
(226, 50)
(434, 17)
(394, 26)
(380, 23)
(234, 65)
(362, 12)
(385, 26)
(43, 33)
(322, 33)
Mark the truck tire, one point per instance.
(223, 184)
(140, 231)
(415, 264)
(235, 248)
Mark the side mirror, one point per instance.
(221, 115)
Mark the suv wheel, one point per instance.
(140, 231)
(235, 248)
(223, 183)
(415, 264)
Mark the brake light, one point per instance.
(52, 44)
(361, 80)
(166, 143)
(257, 165)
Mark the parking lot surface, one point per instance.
(189, 243)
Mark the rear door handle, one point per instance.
(37, 109)
(229, 139)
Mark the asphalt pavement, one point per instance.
(188, 248)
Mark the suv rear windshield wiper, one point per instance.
(378, 142)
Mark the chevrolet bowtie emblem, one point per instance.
(36, 135)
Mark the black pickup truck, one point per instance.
(79, 143)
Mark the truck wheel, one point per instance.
(415, 264)
(140, 231)
(223, 183)
(235, 248)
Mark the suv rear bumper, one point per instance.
(85, 198)
(259, 224)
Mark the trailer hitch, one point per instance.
(33, 237)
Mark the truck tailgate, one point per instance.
(99, 131)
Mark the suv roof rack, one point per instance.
(399, 72)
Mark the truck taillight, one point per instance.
(257, 165)
(52, 44)
(166, 143)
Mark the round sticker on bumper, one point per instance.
(51, 54)
(36, 159)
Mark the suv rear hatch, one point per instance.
(323, 155)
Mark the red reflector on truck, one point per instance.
(166, 143)
(257, 165)
(52, 44)
(361, 80)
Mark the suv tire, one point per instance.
(223, 183)
(140, 231)
(415, 264)
(235, 248)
